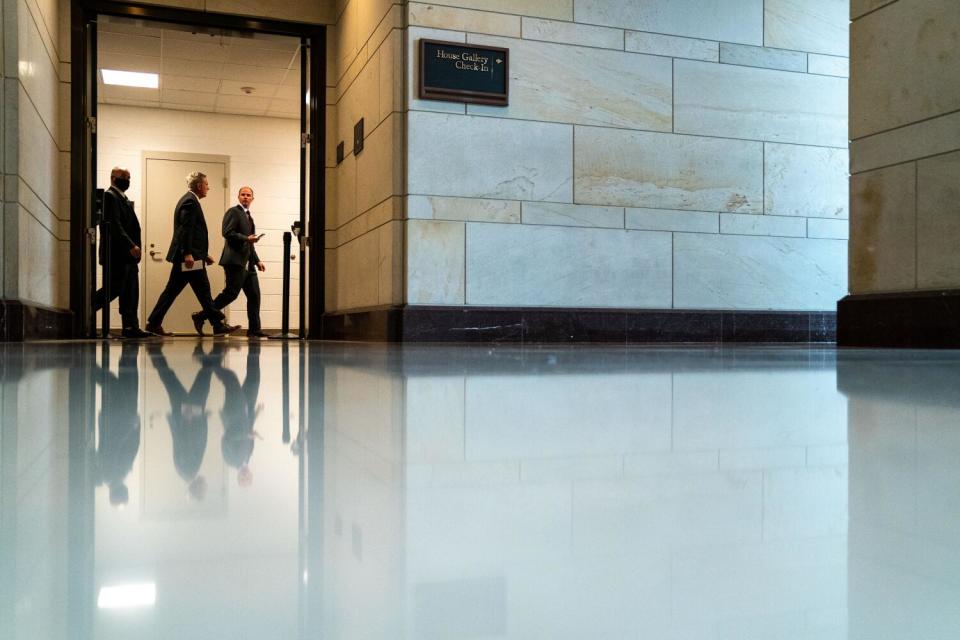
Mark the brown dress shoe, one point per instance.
(157, 329)
(197, 321)
(224, 329)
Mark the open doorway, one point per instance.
(223, 95)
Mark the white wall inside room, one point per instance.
(679, 157)
(264, 153)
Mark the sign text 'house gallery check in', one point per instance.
(461, 73)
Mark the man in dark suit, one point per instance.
(124, 253)
(119, 425)
(190, 244)
(240, 263)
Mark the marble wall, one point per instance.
(365, 210)
(685, 154)
(35, 227)
(905, 148)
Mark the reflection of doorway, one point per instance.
(164, 183)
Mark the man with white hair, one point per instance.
(189, 255)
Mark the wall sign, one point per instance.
(461, 73)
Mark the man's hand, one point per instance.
(209, 260)
(135, 252)
(261, 266)
(252, 239)
(188, 260)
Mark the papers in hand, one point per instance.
(197, 266)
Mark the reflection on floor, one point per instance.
(210, 489)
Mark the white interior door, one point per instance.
(165, 182)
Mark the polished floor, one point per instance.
(210, 489)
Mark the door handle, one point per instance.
(154, 254)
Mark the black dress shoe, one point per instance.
(136, 332)
(157, 330)
(224, 329)
(257, 334)
(198, 322)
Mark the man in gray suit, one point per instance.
(240, 261)
(189, 246)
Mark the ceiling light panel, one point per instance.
(130, 78)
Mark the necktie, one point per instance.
(253, 227)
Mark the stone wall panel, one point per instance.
(665, 171)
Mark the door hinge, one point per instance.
(305, 139)
(224, 182)
(92, 124)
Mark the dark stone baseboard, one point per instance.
(553, 325)
(921, 320)
(24, 320)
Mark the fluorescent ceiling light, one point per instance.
(130, 78)
(126, 596)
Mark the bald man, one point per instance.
(240, 262)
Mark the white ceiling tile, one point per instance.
(122, 62)
(288, 93)
(109, 91)
(111, 24)
(193, 33)
(272, 41)
(247, 55)
(243, 103)
(289, 108)
(128, 44)
(193, 69)
(260, 89)
(186, 83)
(252, 75)
(200, 71)
(202, 50)
(206, 100)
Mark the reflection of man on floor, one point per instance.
(239, 414)
(124, 251)
(188, 416)
(240, 263)
(118, 437)
(190, 245)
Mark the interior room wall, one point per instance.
(364, 230)
(264, 153)
(655, 154)
(905, 148)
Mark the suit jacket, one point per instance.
(236, 250)
(124, 228)
(189, 230)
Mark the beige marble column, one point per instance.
(904, 272)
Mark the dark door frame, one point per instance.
(83, 147)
